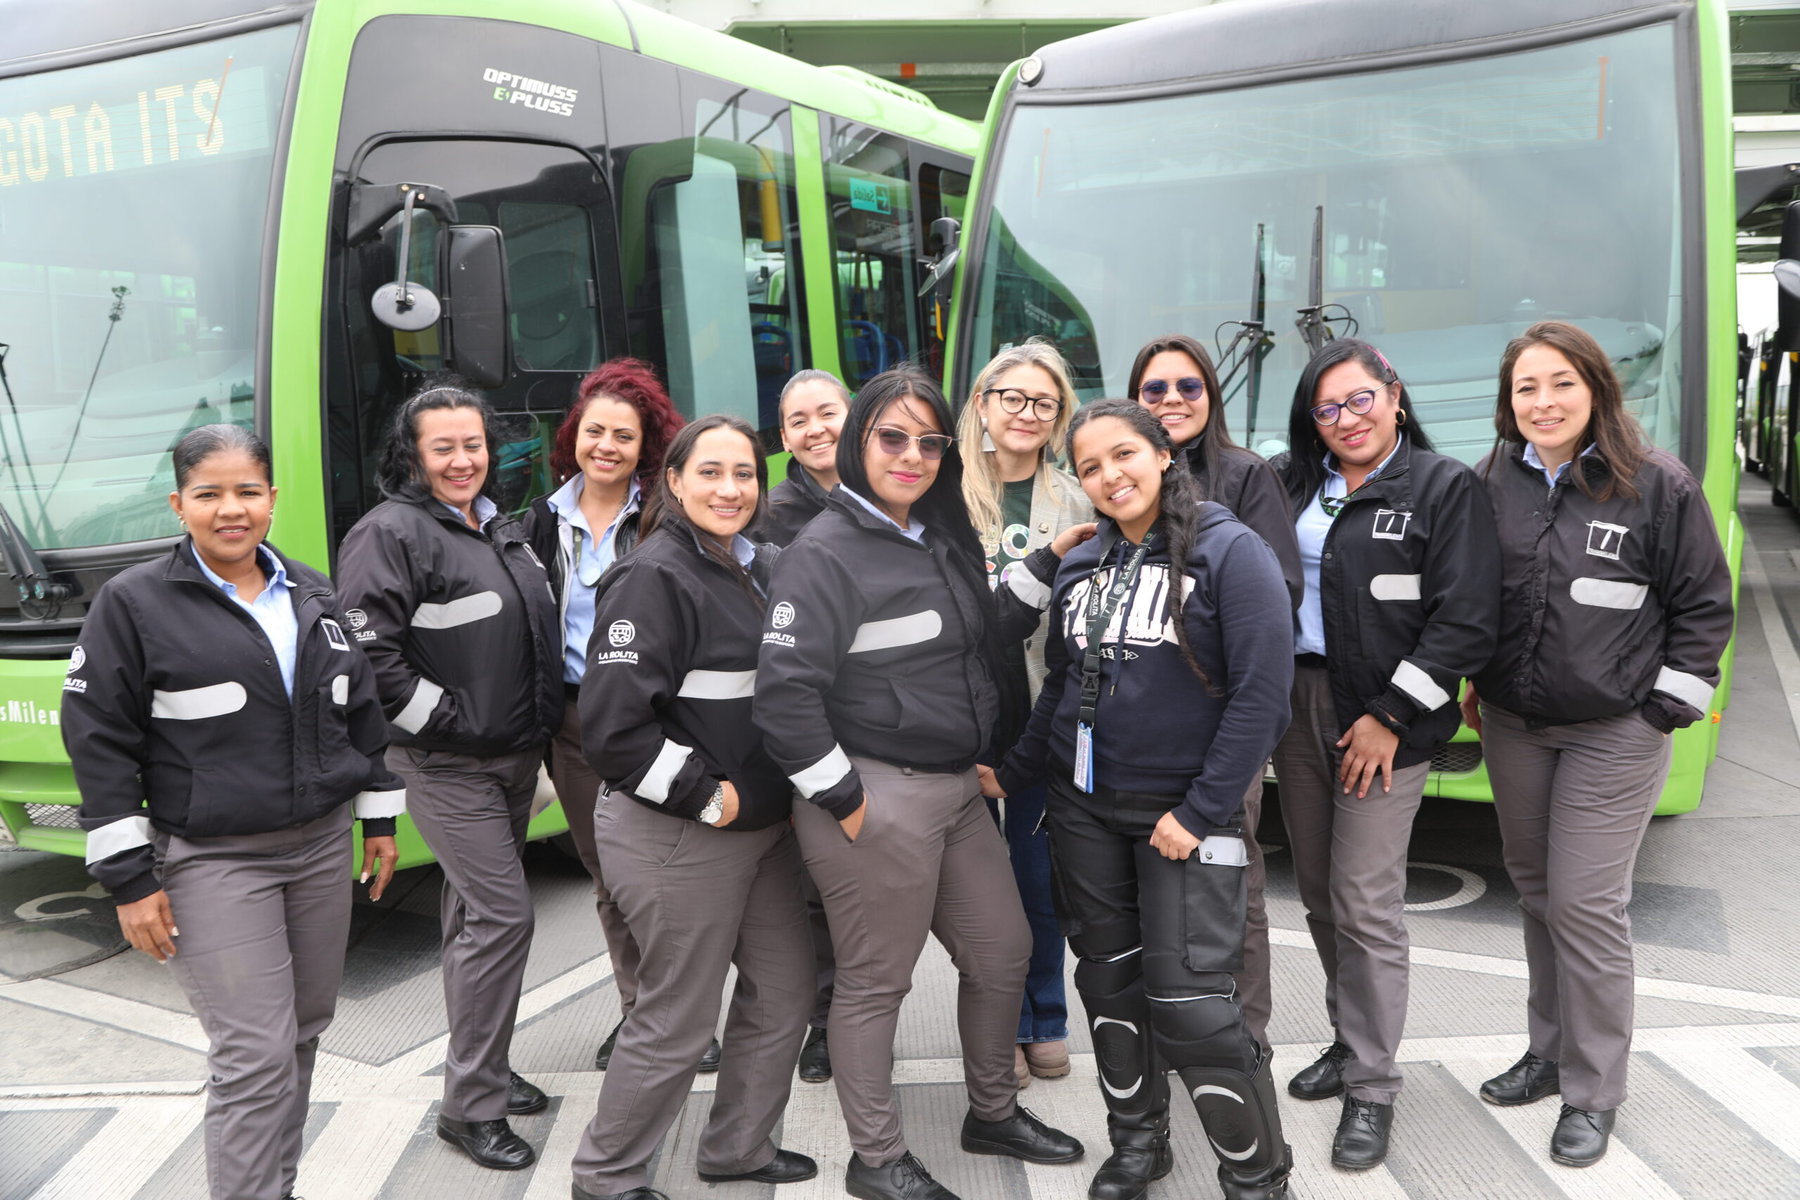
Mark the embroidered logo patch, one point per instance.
(1390, 524)
(1605, 540)
(78, 657)
(357, 617)
(782, 615)
(620, 633)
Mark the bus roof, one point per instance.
(42, 36)
(1248, 41)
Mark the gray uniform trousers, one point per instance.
(1350, 864)
(1573, 803)
(264, 920)
(577, 789)
(824, 957)
(472, 811)
(699, 900)
(1253, 981)
(928, 860)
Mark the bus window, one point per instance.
(874, 247)
(722, 276)
(943, 192)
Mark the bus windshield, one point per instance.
(1460, 203)
(133, 199)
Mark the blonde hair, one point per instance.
(981, 485)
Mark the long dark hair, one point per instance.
(1203, 453)
(663, 512)
(1179, 501)
(200, 444)
(1302, 468)
(1616, 434)
(400, 473)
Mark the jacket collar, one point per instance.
(801, 478)
(184, 567)
(858, 510)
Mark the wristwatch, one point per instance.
(715, 807)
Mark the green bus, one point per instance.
(1270, 173)
(284, 214)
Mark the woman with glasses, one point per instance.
(876, 689)
(1028, 515)
(1173, 377)
(1171, 662)
(1402, 587)
(1616, 607)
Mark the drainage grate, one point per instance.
(53, 816)
(1457, 758)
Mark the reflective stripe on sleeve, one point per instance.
(822, 774)
(418, 710)
(1420, 686)
(1689, 689)
(126, 834)
(371, 805)
(464, 610)
(1028, 587)
(196, 704)
(718, 685)
(661, 775)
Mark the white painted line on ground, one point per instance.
(355, 1152)
(1768, 613)
(101, 1091)
(1621, 1173)
(1513, 968)
(1751, 1090)
(126, 1151)
(550, 1181)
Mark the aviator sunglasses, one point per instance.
(1156, 390)
(895, 441)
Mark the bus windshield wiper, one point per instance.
(40, 597)
(1251, 343)
(1312, 322)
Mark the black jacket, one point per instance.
(1249, 487)
(1606, 606)
(1157, 727)
(174, 714)
(792, 503)
(543, 530)
(672, 669)
(461, 626)
(1409, 584)
(874, 645)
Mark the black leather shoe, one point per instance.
(524, 1097)
(1325, 1078)
(1581, 1136)
(815, 1058)
(641, 1193)
(1128, 1170)
(786, 1167)
(709, 1062)
(603, 1056)
(1525, 1082)
(491, 1144)
(1021, 1135)
(1362, 1134)
(903, 1179)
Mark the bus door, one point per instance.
(555, 217)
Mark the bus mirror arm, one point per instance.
(941, 267)
(373, 205)
(402, 304)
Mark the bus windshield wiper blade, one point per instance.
(40, 597)
(1312, 322)
(1252, 341)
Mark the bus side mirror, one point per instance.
(1787, 281)
(942, 266)
(472, 273)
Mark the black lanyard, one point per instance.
(1100, 614)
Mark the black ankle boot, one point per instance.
(1138, 1157)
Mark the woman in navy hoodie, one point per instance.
(1170, 659)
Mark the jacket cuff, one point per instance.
(136, 888)
(1192, 821)
(1667, 714)
(843, 799)
(1394, 709)
(378, 803)
(1014, 776)
(1032, 584)
(374, 827)
(688, 805)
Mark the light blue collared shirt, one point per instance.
(273, 610)
(913, 529)
(1551, 478)
(592, 555)
(1310, 529)
(485, 511)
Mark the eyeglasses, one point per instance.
(895, 441)
(1156, 390)
(1012, 400)
(1357, 402)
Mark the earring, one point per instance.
(987, 439)
(1400, 417)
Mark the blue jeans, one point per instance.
(1044, 1013)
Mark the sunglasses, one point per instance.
(1357, 402)
(1157, 390)
(895, 441)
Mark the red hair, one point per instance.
(630, 381)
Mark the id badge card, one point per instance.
(1084, 756)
